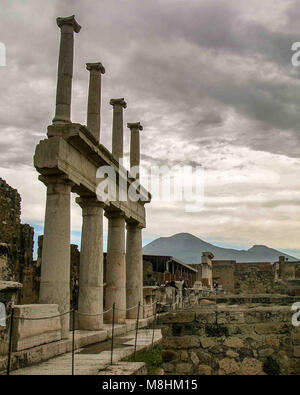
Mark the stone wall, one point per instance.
(231, 341)
(9, 291)
(16, 245)
(252, 277)
(223, 273)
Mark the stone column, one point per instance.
(134, 269)
(116, 267)
(207, 269)
(91, 264)
(135, 146)
(94, 99)
(67, 26)
(117, 128)
(55, 270)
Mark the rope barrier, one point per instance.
(131, 308)
(42, 318)
(94, 315)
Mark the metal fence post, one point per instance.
(137, 328)
(74, 304)
(10, 340)
(73, 339)
(154, 322)
(112, 333)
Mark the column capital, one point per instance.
(114, 214)
(68, 20)
(95, 66)
(134, 225)
(134, 126)
(118, 102)
(89, 201)
(50, 180)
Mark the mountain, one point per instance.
(189, 248)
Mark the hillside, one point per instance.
(189, 248)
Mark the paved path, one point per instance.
(90, 362)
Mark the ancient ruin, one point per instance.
(67, 162)
(213, 318)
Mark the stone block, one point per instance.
(297, 351)
(184, 355)
(31, 333)
(272, 341)
(168, 367)
(183, 317)
(266, 352)
(231, 354)
(184, 368)
(229, 366)
(265, 328)
(234, 342)
(296, 338)
(251, 366)
(204, 370)
(206, 358)
(207, 342)
(194, 358)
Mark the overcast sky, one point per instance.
(212, 83)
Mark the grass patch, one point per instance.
(152, 359)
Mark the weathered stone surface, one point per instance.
(296, 338)
(168, 367)
(224, 354)
(232, 354)
(207, 359)
(179, 318)
(184, 355)
(297, 351)
(184, 368)
(264, 328)
(234, 342)
(30, 333)
(181, 342)
(207, 342)
(229, 366)
(251, 366)
(194, 358)
(208, 302)
(272, 341)
(16, 246)
(266, 352)
(204, 370)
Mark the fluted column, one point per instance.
(135, 146)
(68, 26)
(117, 128)
(115, 290)
(91, 264)
(134, 269)
(94, 99)
(55, 270)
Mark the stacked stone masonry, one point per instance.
(231, 340)
(16, 245)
